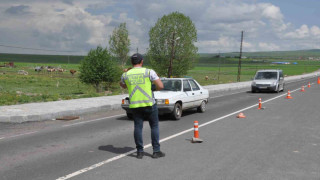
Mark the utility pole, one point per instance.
(239, 65)
(171, 57)
(219, 67)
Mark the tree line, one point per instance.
(171, 51)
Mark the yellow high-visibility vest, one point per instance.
(139, 86)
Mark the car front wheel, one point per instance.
(202, 107)
(177, 111)
(278, 89)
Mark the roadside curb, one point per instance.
(77, 107)
(52, 110)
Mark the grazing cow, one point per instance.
(50, 70)
(38, 68)
(72, 71)
(23, 72)
(207, 77)
(60, 70)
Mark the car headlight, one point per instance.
(162, 101)
(274, 83)
(253, 83)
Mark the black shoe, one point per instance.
(140, 155)
(159, 154)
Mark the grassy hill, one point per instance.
(204, 57)
(273, 54)
(34, 58)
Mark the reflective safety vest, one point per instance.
(139, 87)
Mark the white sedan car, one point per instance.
(178, 94)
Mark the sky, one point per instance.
(76, 26)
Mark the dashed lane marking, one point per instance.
(162, 140)
(20, 135)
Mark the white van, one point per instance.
(268, 80)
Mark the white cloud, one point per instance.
(248, 45)
(222, 44)
(272, 12)
(268, 46)
(79, 25)
(315, 31)
(304, 32)
(69, 28)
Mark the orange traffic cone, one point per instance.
(289, 95)
(241, 115)
(318, 80)
(260, 104)
(196, 138)
(309, 85)
(302, 89)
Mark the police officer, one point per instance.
(139, 81)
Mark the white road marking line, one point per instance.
(22, 134)
(95, 166)
(162, 140)
(1, 137)
(91, 120)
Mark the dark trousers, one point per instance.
(149, 113)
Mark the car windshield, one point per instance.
(171, 85)
(266, 75)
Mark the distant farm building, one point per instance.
(280, 63)
(9, 64)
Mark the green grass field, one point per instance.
(229, 69)
(44, 86)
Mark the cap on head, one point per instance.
(136, 58)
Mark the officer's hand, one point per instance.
(153, 87)
(123, 85)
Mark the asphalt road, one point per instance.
(279, 142)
